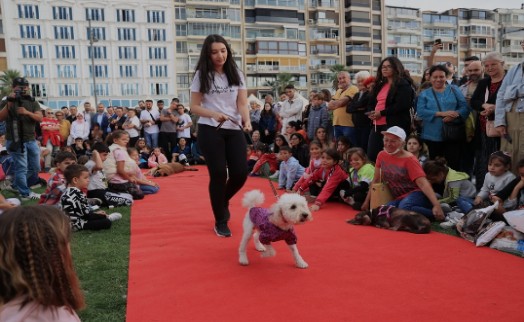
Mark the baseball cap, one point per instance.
(396, 131)
(20, 81)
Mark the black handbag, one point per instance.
(455, 130)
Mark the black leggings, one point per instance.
(225, 154)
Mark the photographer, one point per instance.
(167, 139)
(22, 113)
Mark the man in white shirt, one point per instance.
(149, 119)
(291, 109)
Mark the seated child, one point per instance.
(56, 185)
(79, 147)
(315, 153)
(156, 158)
(326, 180)
(415, 145)
(148, 187)
(355, 190)
(252, 157)
(512, 196)
(182, 152)
(267, 163)
(144, 152)
(97, 187)
(457, 187)
(9, 203)
(75, 204)
(96, 135)
(343, 146)
(290, 169)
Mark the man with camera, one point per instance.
(22, 112)
(167, 139)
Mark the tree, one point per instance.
(335, 69)
(6, 81)
(278, 85)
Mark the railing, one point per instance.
(358, 48)
(324, 3)
(275, 68)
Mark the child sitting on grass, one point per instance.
(56, 185)
(75, 204)
(325, 181)
(148, 187)
(290, 170)
(267, 163)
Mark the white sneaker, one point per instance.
(449, 223)
(31, 196)
(115, 216)
(454, 215)
(274, 175)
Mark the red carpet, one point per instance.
(180, 271)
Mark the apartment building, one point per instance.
(130, 42)
(365, 34)
(3, 53)
(441, 26)
(404, 38)
(511, 33)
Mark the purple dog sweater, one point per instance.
(268, 231)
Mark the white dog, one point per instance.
(273, 224)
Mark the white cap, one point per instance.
(396, 131)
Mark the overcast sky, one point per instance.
(441, 5)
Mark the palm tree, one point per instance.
(278, 85)
(335, 69)
(6, 81)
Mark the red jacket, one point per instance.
(270, 158)
(332, 177)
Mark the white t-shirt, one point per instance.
(183, 120)
(145, 115)
(221, 98)
(97, 179)
(34, 312)
(133, 133)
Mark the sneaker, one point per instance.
(449, 224)
(222, 230)
(274, 175)
(94, 201)
(115, 216)
(445, 207)
(31, 196)
(454, 215)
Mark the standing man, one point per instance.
(22, 112)
(149, 119)
(88, 113)
(72, 114)
(167, 138)
(291, 108)
(101, 119)
(160, 105)
(342, 120)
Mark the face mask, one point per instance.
(394, 152)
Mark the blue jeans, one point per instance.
(347, 131)
(151, 139)
(27, 165)
(148, 190)
(465, 204)
(415, 201)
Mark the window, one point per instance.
(62, 13)
(180, 13)
(182, 80)
(127, 71)
(32, 51)
(158, 70)
(65, 52)
(98, 33)
(28, 11)
(125, 15)
(129, 89)
(181, 47)
(66, 71)
(30, 32)
(126, 34)
(34, 71)
(157, 53)
(100, 52)
(64, 32)
(156, 34)
(100, 71)
(159, 89)
(95, 14)
(282, 48)
(101, 90)
(181, 30)
(127, 52)
(156, 16)
(68, 89)
(39, 90)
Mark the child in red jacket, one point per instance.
(267, 163)
(325, 180)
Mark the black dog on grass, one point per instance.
(393, 218)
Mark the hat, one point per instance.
(20, 81)
(396, 131)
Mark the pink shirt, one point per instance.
(381, 104)
(33, 312)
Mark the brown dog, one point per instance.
(166, 169)
(393, 218)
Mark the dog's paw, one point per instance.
(259, 246)
(269, 252)
(301, 264)
(242, 259)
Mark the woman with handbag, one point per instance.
(443, 110)
(487, 138)
(404, 175)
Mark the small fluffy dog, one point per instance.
(166, 169)
(393, 218)
(273, 224)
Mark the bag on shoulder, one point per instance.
(454, 131)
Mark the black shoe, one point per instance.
(222, 230)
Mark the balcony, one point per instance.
(321, 67)
(275, 68)
(322, 21)
(207, 2)
(323, 52)
(275, 3)
(511, 49)
(358, 48)
(328, 4)
(324, 36)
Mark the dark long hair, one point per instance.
(206, 69)
(398, 73)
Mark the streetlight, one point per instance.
(92, 40)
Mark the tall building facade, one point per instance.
(131, 44)
(511, 33)
(3, 53)
(404, 38)
(441, 26)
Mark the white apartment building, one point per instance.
(133, 49)
(511, 33)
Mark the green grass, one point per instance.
(101, 261)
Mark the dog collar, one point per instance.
(384, 211)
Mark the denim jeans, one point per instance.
(27, 165)
(347, 131)
(148, 190)
(465, 204)
(415, 201)
(151, 139)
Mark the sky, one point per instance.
(441, 5)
